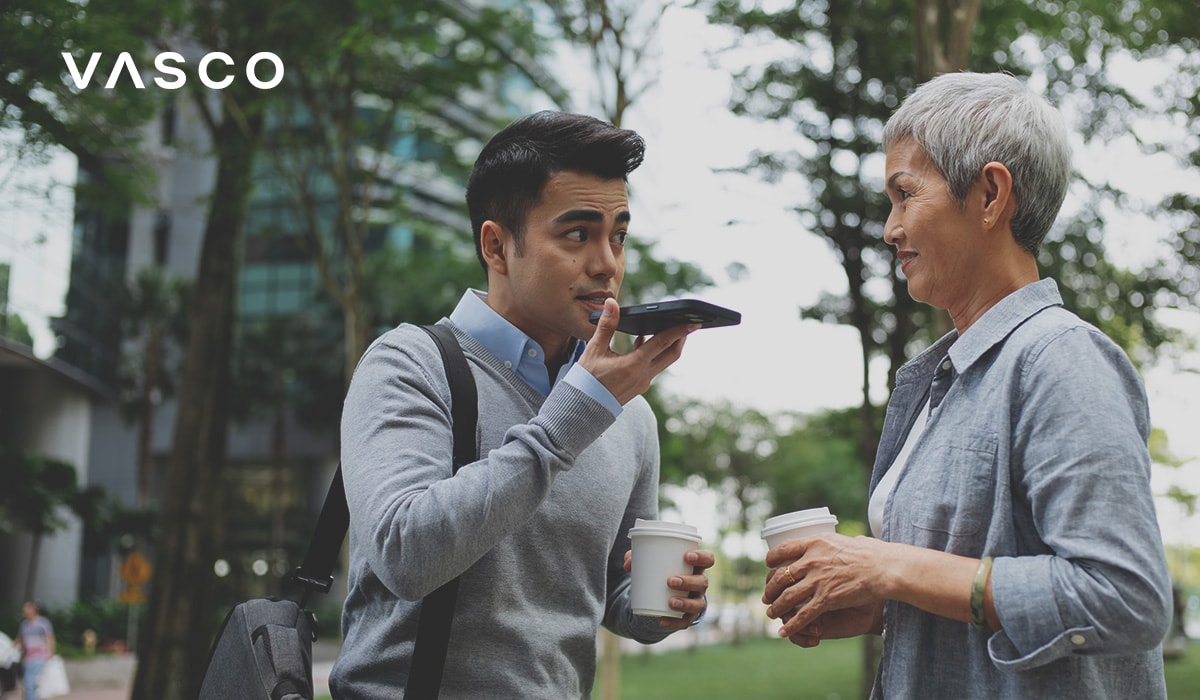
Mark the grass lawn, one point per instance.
(766, 669)
(771, 669)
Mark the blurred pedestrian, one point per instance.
(35, 639)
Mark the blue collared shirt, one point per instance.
(1037, 457)
(523, 355)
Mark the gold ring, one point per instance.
(788, 570)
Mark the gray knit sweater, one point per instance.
(536, 528)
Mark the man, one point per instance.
(568, 450)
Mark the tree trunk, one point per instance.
(181, 615)
(610, 665)
(942, 35)
(35, 556)
(355, 328)
(278, 459)
(146, 431)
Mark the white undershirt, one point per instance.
(883, 490)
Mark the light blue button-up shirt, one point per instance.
(1037, 457)
(523, 355)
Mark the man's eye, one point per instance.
(620, 237)
(904, 195)
(576, 234)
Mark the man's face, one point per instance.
(571, 259)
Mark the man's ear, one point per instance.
(494, 240)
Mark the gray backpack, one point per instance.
(263, 650)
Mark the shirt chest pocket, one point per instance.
(949, 486)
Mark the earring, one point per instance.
(985, 222)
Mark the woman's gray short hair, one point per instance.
(965, 120)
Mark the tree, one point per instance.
(365, 146)
(97, 126)
(151, 311)
(38, 489)
(13, 327)
(181, 610)
(729, 449)
(619, 38)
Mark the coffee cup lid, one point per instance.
(664, 527)
(799, 518)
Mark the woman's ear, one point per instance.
(493, 238)
(998, 200)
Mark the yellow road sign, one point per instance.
(132, 596)
(135, 570)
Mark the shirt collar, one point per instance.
(1002, 319)
(506, 342)
(993, 327)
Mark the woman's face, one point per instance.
(934, 237)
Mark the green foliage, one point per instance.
(817, 464)
(13, 327)
(419, 285)
(841, 74)
(648, 278)
(108, 524)
(109, 619)
(152, 313)
(35, 488)
(36, 99)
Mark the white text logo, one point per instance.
(168, 64)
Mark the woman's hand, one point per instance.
(825, 587)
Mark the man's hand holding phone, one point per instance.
(629, 375)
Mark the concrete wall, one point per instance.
(45, 412)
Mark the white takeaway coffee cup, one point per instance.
(800, 523)
(658, 549)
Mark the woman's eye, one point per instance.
(904, 195)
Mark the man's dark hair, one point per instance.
(514, 167)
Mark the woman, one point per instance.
(36, 641)
(1017, 552)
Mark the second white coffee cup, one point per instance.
(800, 523)
(658, 550)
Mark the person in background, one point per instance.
(1017, 552)
(35, 639)
(568, 454)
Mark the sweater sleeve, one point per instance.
(1101, 585)
(415, 527)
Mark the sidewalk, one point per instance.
(110, 677)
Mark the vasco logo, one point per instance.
(167, 64)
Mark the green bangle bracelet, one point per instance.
(978, 619)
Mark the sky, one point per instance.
(773, 361)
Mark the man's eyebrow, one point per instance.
(891, 181)
(589, 215)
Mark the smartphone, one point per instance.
(648, 319)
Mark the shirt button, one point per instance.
(532, 352)
(1077, 639)
(946, 365)
(507, 364)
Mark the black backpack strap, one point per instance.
(315, 574)
(464, 401)
(437, 608)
